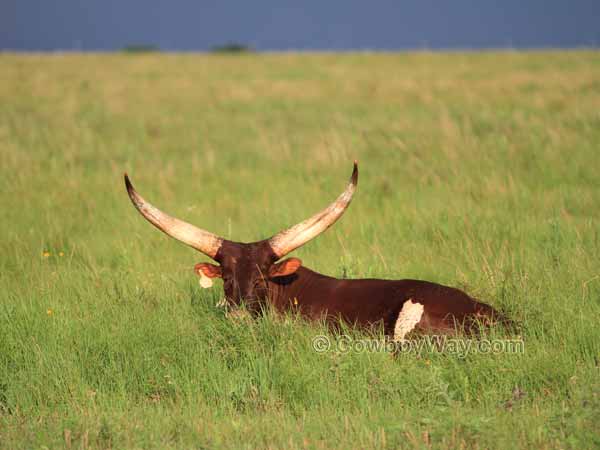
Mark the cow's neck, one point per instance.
(293, 290)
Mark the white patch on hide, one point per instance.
(409, 317)
(205, 282)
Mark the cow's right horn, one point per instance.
(195, 237)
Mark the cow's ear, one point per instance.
(285, 267)
(208, 270)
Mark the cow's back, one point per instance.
(375, 303)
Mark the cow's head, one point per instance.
(246, 268)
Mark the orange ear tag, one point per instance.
(205, 282)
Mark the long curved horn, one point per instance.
(288, 240)
(197, 238)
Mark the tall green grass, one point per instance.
(477, 170)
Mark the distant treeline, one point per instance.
(143, 48)
(231, 47)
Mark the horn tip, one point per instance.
(127, 182)
(354, 178)
(130, 189)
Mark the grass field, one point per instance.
(479, 171)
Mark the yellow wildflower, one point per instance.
(61, 254)
(46, 253)
(49, 312)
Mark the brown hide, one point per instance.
(375, 303)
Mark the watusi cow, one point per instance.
(256, 274)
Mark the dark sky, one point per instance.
(300, 24)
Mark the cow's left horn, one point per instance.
(195, 237)
(288, 240)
